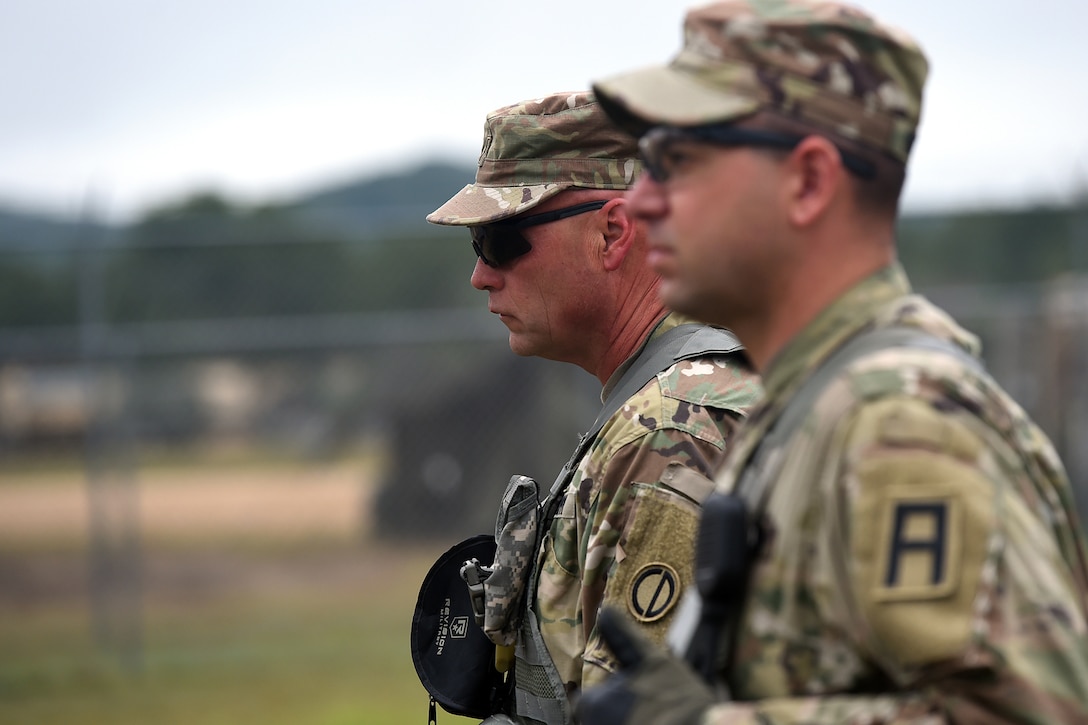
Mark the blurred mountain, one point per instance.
(360, 209)
(966, 246)
(396, 201)
(31, 230)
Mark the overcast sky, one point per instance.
(133, 103)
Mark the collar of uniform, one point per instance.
(841, 320)
(663, 325)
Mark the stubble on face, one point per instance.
(716, 251)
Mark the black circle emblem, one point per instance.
(655, 590)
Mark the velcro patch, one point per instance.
(655, 589)
(921, 528)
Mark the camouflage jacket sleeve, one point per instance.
(935, 561)
(626, 528)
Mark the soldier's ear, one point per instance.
(814, 177)
(618, 231)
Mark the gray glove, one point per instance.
(651, 687)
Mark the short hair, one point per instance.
(879, 194)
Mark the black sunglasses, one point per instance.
(502, 242)
(654, 146)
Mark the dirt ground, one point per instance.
(199, 535)
(44, 510)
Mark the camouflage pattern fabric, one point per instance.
(533, 150)
(826, 64)
(625, 529)
(923, 560)
(515, 552)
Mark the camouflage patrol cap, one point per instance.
(535, 149)
(824, 64)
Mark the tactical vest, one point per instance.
(539, 694)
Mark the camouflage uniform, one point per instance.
(624, 530)
(923, 562)
(627, 521)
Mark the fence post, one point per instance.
(114, 556)
(1065, 380)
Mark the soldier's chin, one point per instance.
(685, 301)
(673, 296)
(520, 346)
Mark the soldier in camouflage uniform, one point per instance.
(564, 266)
(918, 557)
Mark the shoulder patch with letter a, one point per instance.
(655, 588)
(920, 538)
(922, 530)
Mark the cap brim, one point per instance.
(665, 95)
(476, 204)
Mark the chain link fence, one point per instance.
(433, 394)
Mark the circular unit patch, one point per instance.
(654, 590)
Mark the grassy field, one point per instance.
(262, 602)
